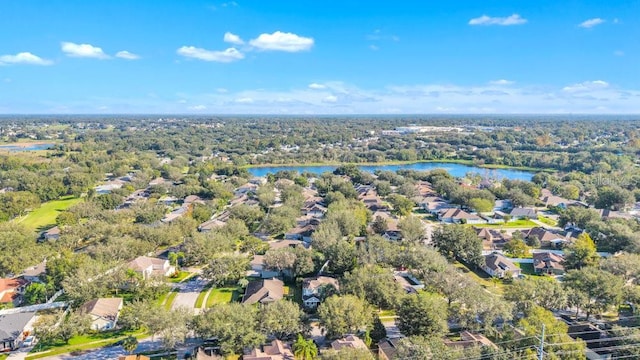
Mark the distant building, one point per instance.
(14, 328)
(349, 341)
(149, 266)
(548, 263)
(263, 291)
(468, 340)
(277, 350)
(497, 265)
(314, 290)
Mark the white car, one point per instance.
(29, 341)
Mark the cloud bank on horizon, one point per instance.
(331, 59)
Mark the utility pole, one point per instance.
(541, 349)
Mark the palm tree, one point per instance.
(129, 344)
(304, 349)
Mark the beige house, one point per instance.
(149, 267)
(349, 341)
(276, 351)
(263, 291)
(104, 312)
(315, 289)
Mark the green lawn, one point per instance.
(387, 313)
(482, 278)
(511, 224)
(45, 216)
(546, 220)
(223, 296)
(527, 269)
(181, 276)
(82, 342)
(172, 295)
(201, 296)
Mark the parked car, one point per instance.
(29, 341)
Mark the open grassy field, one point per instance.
(526, 268)
(45, 216)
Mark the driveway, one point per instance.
(188, 292)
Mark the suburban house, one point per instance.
(314, 290)
(263, 291)
(259, 269)
(349, 341)
(11, 289)
(546, 237)
(14, 328)
(548, 263)
(133, 357)
(523, 213)
(149, 267)
(300, 232)
(612, 214)
(276, 351)
(551, 200)
(316, 210)
(35, 273)
(492, 239)
(52, 234)
(393, 232)
(104, 312)
(387, 348)
(497, 265)
(282, 244)
(433, 204)
(459, 216)
(468, 340)
(211, 224)
(192, 199)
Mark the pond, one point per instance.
(457, 170)
(26, 147)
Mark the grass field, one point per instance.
(222, 296)
(45, 216)
(201, 296)
(511, 224)
(181, 276)
(82, 342)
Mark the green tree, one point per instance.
(379, 225)
(401, 205)
(304, 349)
(536, 291)
(412, 229)
(281, 319)
(374, 284)
(226, 269)
(235, 325)
(35, 293)
(422, 314)
(459, 242)
(600, 289)
(129, 344)
(562, 342)
(341, 315)
(581, 253)
(614, 197)
(516, 248)
(481, 205)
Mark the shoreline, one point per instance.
(27, 143)
(391, 163)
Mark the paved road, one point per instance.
(109, 353)
(188, 292)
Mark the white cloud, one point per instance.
(198, 107)
(127, 55)
(586, 86)
(374, 47)
(514, 19)
(226, 56)
(330, 99)
(83, 50)
(501, 82)
(281, 41)
(222, 90)
(244, 100)
(317, 86)
(233, 38)
(618, 53)
(24, 58)
(587, 24)
(229, 3)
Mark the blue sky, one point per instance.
(319, 57)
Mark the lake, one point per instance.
(457, 170)
(26, 147)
